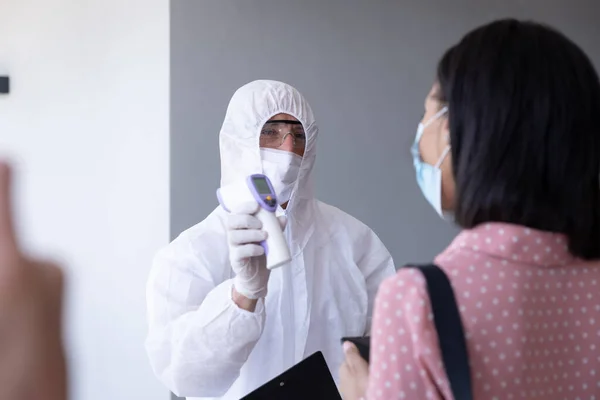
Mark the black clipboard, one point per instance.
(309, 379)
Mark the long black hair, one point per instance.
(524, 120)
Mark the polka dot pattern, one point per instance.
(531, 314)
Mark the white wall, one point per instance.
(88, 124)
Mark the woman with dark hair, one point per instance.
(509, 148)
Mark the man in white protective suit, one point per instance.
(220, 323)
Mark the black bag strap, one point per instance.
(448, 325)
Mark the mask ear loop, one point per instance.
(447, 149)
(442, 157)
(438, 114)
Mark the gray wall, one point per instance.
(365, 67)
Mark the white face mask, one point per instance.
(282, 168)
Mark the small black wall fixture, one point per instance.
(4, 85)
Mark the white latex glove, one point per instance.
(247, 257)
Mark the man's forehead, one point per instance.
(283, 117)
(280, 123)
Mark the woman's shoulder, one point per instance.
(405, 286)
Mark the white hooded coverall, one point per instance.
(200, 344)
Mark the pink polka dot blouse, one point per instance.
(531, 313)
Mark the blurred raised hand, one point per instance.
(32, 361)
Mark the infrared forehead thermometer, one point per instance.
(258, 188)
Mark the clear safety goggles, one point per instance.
(274, 133)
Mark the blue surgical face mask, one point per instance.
(429, 177)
